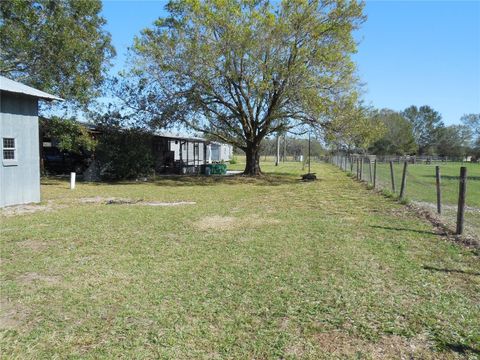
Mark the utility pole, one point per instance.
(277, 160)
(309, 152)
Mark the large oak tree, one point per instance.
(240, 70)
(58, 46)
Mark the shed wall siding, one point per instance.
(20, 184)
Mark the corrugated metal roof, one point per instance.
(19, 88)
(179, 136)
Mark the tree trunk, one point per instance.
(252, 168)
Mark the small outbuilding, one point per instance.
(19, 142)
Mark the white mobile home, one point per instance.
(219, 152)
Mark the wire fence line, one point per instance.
(447, 189)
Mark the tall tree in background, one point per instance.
(426, 123)
(454, 141)
(472, 121)
(398, 138)
(58, 46)
(243, 69)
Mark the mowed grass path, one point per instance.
(268, 268)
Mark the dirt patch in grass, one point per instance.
(34, 245)
(387, 347)
(221, 223)
(108, 200)
(216, 222)
(33, 277)
(117, 201)
(159, 203)
(127, 201)
(25, 209)
(12, 315)
(92, 200)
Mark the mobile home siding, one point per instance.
(19, 181)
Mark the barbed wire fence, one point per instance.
(449, 191)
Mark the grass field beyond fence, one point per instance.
(268, 268)
(421, 187)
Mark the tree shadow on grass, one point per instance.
(462, 349)
(263, 180)
(196, 180)
(404, 229)
(431, 268)
(50, 183)
(266, 179)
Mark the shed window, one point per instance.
(9, 149)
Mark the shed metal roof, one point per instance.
(12, 86)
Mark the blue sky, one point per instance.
(410, 52)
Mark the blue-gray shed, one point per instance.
(19, 142)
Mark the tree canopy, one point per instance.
(426, 123)
(355, 131)
(243, 69)
(454, 141)
(70, 135)
(58, 46)
(472, 121)
(398, 138)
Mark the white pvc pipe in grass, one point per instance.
(72, 180)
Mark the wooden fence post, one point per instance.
(375, 173)
(439, 190)
(392, 175)
(351, 164)
(403, 188)
(462, 192)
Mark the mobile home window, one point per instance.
(9, 149)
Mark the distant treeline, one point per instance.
(418, 131)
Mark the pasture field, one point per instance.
(421, 188)
(239, 268)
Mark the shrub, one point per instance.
(124, 153)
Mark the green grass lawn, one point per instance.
(257, 268)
